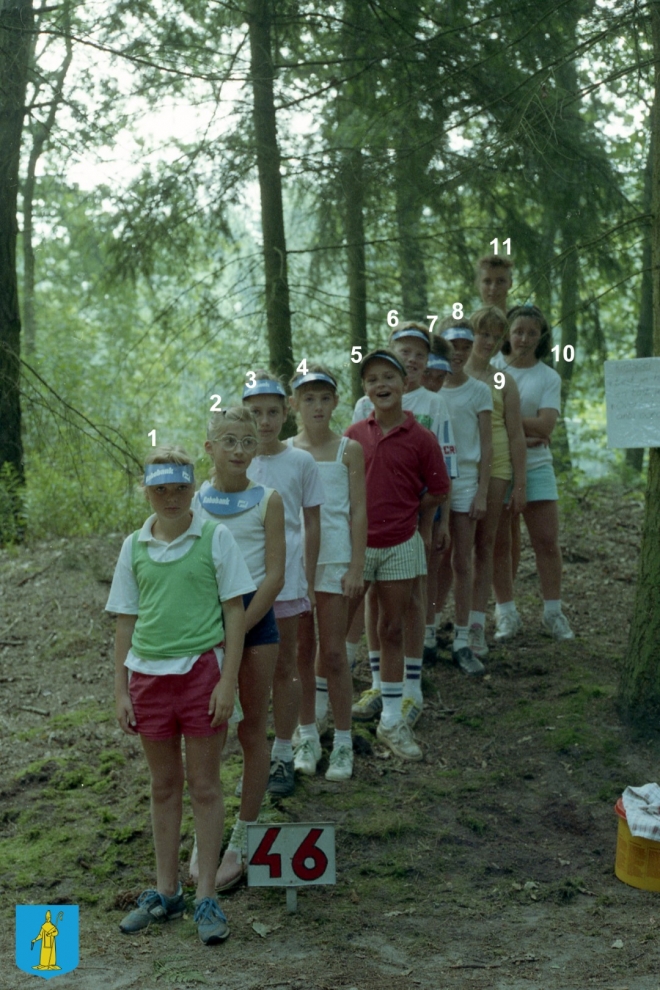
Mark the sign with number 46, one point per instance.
(291, 854)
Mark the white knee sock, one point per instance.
(412, 686)
(374, 663)
(392, 693)
(321, 698)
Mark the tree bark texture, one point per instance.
(278, 312)
(353, 186)
(16, 23)
(409, 204)
(639, 689)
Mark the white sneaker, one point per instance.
(506, 626)
(306, 756)
(411, 709)
(341, 764)
(557, 626)
(400, 739)
(477, 640)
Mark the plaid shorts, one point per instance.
(400, 563)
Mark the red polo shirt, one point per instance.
(399, 465)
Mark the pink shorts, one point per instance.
(294, 606)
(168, 705)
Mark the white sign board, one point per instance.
(632, 399)
(291, 854)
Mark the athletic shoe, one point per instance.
(477, 640)
(411, 709)
(466, 660)
(400, 739)
(341, 764)
(557, 626)
(153, 906)
(306, 755)
(211, 923)
(368, 707)
(506, 626)
(282, 780)
(430, 655)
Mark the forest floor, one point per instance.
(488, 865)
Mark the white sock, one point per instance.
(392, 693)
(477, 619)
(429, 636)
(234, 842)
(321, 699)
(551, 607)
(460, 637)
(374, 663)
(342, 738)
(351, 653)
(412, 686)
(282, 750)
(506, 608)
(438, 620)
(309, 732)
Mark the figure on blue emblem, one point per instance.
(47, 935)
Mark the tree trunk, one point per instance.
(353, 186)
(41, 135)
(644, 338)
(569, 303)
(412, 270)
(639, 689)
(278, 312)
(16, 22)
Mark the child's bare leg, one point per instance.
(286, 686)
(502, 570)
(393, 600)
(371, 618)
(484, 543)
(516, 542)
(332, 613)
(306, 657)
(203, 773)
(255, 679)
(166, 768)
(413, 629)
(444, 579)
(462, 532)
(356, 627)
(432, 579)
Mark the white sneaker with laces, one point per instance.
(506, 626)
(306, 756)
(400, 739)
(557, 626)
(341, 764)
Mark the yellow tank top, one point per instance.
(501, 454)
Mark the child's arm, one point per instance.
(312, 517)
(478, 507)
(273, 583)
(517, 445)
(123, 706)
(221, 702)
(353, 581)
(541, 425)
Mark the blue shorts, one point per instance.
(541, 485)
(265, 631)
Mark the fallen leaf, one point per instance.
(264, 930)
(616, 944)
(530, 885)
(564, 862)
(517, 886)
(355, 897)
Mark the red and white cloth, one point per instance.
(642, 807)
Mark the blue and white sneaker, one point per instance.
(211, 923)
(153, 906)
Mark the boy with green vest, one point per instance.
(173, 640)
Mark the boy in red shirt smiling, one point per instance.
(402, 460)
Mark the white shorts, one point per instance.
(463, 491)
(328, 578)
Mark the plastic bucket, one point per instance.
(637, 859)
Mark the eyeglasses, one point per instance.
(230, 442)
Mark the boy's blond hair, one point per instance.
(495, 261)
(489, 316)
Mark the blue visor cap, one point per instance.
(383, 356)
(412, 332)
(169, 474)
(457, 333)
(313, 376)
(437, 363)
(264, 386)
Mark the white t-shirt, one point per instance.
(232, 576)
(247, 528)
(540, 388)
(430, 410)
(294, 474)
(465, 402)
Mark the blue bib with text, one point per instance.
(230, 503)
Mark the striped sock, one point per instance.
(412, 686)
(321, 700)
(374, 663)
(392, 693)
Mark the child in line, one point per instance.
(339, 580)
(177, 656)
(494, 278)
(490, 326)
(470, 406)
(255, 517)
(402, 460)
(294, 474)
(412, 344)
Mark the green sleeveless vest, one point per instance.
(179, 611)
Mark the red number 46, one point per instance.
(305, 851)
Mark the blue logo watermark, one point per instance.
(47, 939)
